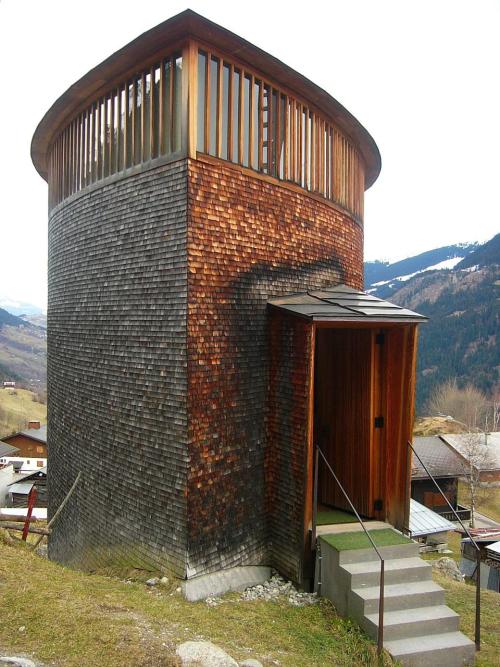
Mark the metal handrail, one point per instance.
(477, 632)
(380, 633)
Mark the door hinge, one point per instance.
(379, 339)
(379, 422)
(378, 505)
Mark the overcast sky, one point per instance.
(421, 75)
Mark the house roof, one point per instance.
(493, 550)
(21, 487)
(340, 303)
(440, 459)
(38, 434)
(458, 441)
(424, 521)
(155, 42)
(7, 450)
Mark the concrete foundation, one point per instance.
(224, 581)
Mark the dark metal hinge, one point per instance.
(379, 422)
(378, 505)
(380, 339)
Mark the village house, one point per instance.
(446, 466)
(31, 448)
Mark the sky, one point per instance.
(420, 75)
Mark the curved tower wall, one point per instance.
(117, 374)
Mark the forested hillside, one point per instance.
(461, 339)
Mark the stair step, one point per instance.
(405, 623)
(397, 571)
(450, 649)
(398, 596)
(409, 550)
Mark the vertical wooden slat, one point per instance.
(220, 74)
(161, 113)
(112, 137)
(71, 135)
(65, 163)
(98, 140)
(287, 133)
(192, 68)
(293, 140)
(298, 149)
(241, 111)
(314, 161)
(207, 102)
(171, 129)
(261, 125)
(307, 167)
(79, 153)
(152, 128)
(251, 129)
(230, 115)
(142, 134)
(278, 134)
(270, 131)
(119, 142)
(133, 121)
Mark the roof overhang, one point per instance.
(341, 304)
(153, 43)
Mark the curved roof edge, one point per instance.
(190, 24)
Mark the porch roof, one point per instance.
(340, 303)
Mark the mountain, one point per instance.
(461, 297)
(382, 278)
(23, 351)
(16, 307)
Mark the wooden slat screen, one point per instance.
(138, 121)
(239, 117)
(252, 123)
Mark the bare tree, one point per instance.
(477, 457)
(467, 405)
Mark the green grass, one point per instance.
(453, 539)
(333, 516)
(17, 407)
(460, 597)
(384, 537)
(74, 619)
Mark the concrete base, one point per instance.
(224, 581)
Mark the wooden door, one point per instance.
(344, 372)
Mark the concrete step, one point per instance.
(416, 622)
(450, 649)
(396, 596)
(410, 550)
(397, 571)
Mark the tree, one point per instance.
(475, 416)
(477, 457)
(466, 405)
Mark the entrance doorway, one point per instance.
(349, 418)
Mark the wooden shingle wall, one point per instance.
(286, 469)
(117, 372)
(248, 240)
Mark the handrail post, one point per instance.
(477, 629)
(380, 632)
(315, 499)
(380, 637)
(477, 637)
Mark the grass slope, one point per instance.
(70, 618)
(17, 408)
(73, 619)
